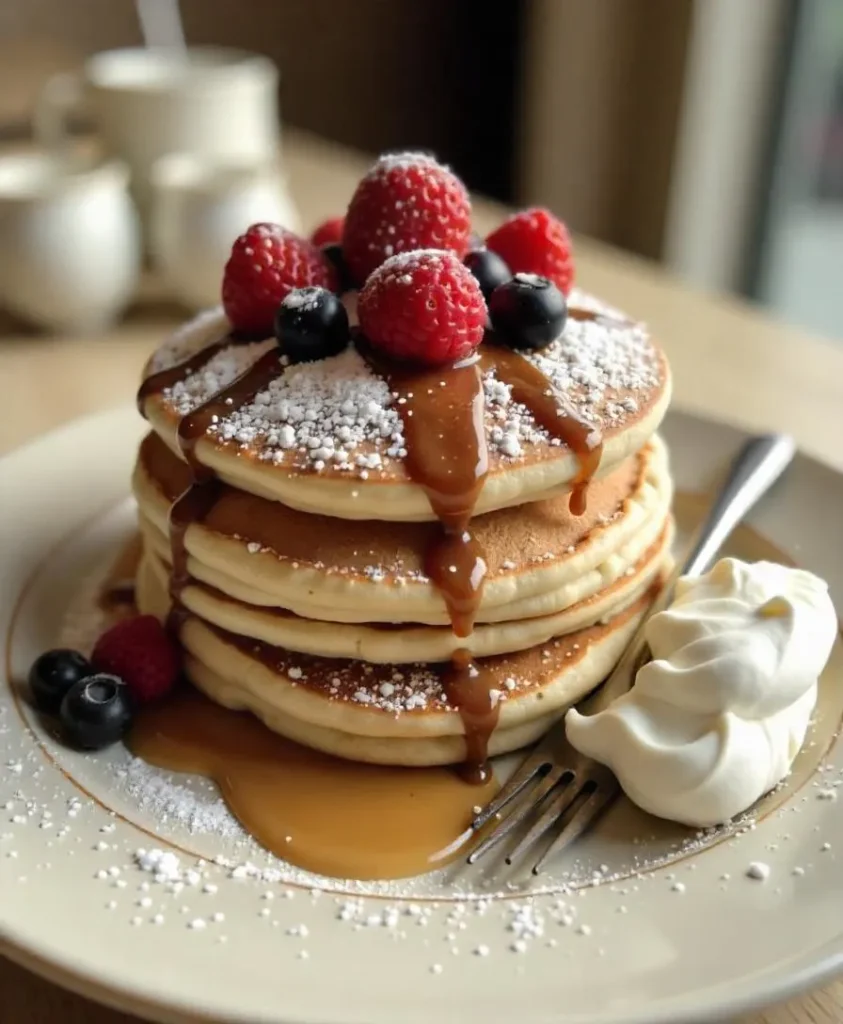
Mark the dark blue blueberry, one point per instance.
(528, 312)
(96, 712)
(488, 268)
(311, 323)
(53, 674)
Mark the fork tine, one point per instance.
(554, 809)
(607, 788)
(516, 816)
(525, 773)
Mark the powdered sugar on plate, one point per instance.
(198, 808)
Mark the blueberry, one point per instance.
(53, 674)
(528, 312)
(488, 268)
(96, 712)
(311, 323)
(333, 253)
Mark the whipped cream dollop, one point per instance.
(715, 720)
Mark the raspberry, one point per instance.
(329, 232)
(407, 201)
(535, 242)
(423, 306)
(266, 262)
(139, 652)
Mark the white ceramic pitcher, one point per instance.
(199, 206)
(145, 103)
(69, 241)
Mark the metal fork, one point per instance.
(557, 784)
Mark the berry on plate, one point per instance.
(536, 242)
(96, 712)
(489, 269)
(311, 324)
(528, 312)
(266, 262)
(328, 232)
(53, 674)
(406, 201)
(141, 653)
(424, 307)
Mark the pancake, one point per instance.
(540, 558)
(407, 642)
(420, 753)
(395, 714)
(327, 437)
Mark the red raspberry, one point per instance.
(140, 652)
(406, 201)
(266, 262)
(535, 242)
(423, 306)
(329, 232)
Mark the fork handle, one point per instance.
(756, 467)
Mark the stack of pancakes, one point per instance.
(306, 598)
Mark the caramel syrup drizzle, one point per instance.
(552, 410)
(160, 380)
(447, 456)
(198, 499)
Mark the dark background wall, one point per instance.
(570, 103)
(377, 74)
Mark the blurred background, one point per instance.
(704, 134)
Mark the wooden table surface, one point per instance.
(729, 362)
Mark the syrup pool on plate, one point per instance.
(339, 818)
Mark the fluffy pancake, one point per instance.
(540, 558)
(395, 714)
(327, 437)
(418, 753)
(407, 642)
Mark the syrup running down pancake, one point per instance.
(539, 558)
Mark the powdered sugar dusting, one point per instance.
(333, 411)
(174, 803)
(403, 161)
(533, 279)
(302, 299)
(336, 413)
(394, 689)
(204, 328)
(215, 375)
(407, 262)
(411, 688)
(596, 363)
(601, 366)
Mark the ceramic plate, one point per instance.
(642, 922)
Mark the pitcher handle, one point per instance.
(61, 98)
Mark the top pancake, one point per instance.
(327, 436)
